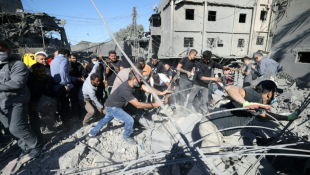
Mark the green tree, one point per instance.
(124, 33)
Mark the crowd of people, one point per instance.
(103, 90)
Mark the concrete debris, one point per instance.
(72, 152)
(93, 142)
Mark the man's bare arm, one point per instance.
(142, 105)
(168, 85)
(229, 68)
(144, 88)
(210, 78)
(237, 94)
(179, 68)
(276, 116)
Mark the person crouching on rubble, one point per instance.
(257, 99)
(265, 64)
(161, 82)
(114, 104)
(14, 97)
(87, 95)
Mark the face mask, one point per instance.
(274, 100)
(94, 62)
(3, 56)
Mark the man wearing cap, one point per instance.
(265, 64)
(42, 58)
(202, 79)
(156, 65)
(257, 100)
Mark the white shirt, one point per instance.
(163, 79)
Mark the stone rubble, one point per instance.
(72, 152)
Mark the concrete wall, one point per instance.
(292, 35)
(226, 27)
(178, 42)
(166, 28)
(181, 24)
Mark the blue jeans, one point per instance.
(114, 112)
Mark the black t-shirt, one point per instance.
(158, 68)
(100, 71)
(234, 118)
(76, 70)
(121, 96)
(111, 75)
(187, 65)
(205, 70)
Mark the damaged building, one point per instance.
(85, 50)
(30, 32)
(291, 40)
(161, 148)
(230, 29)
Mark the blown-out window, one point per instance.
(188, 42)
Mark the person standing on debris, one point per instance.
(162, 83)
(60, 73)
(39, 84)
(156, 65)
(14, 97)
(257, 100)
(102, 76)
(202, 79)
(185, 67)
(247, 72)
(114, 66)
(114, 104)
(42, 58)
(76, 70)
(265, 64)
(87, 95)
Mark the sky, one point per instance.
(83, 21)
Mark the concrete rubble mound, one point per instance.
(160, 149)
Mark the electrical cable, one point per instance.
(156, 97)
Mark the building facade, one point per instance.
(230, 29)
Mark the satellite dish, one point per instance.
(154, 7)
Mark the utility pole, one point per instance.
(44, 48)
(134, 31)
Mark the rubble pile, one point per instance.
(156, 137)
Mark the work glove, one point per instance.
(292, 116)
(251, 105)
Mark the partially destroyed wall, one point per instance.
(10, 5)
(292, 36)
